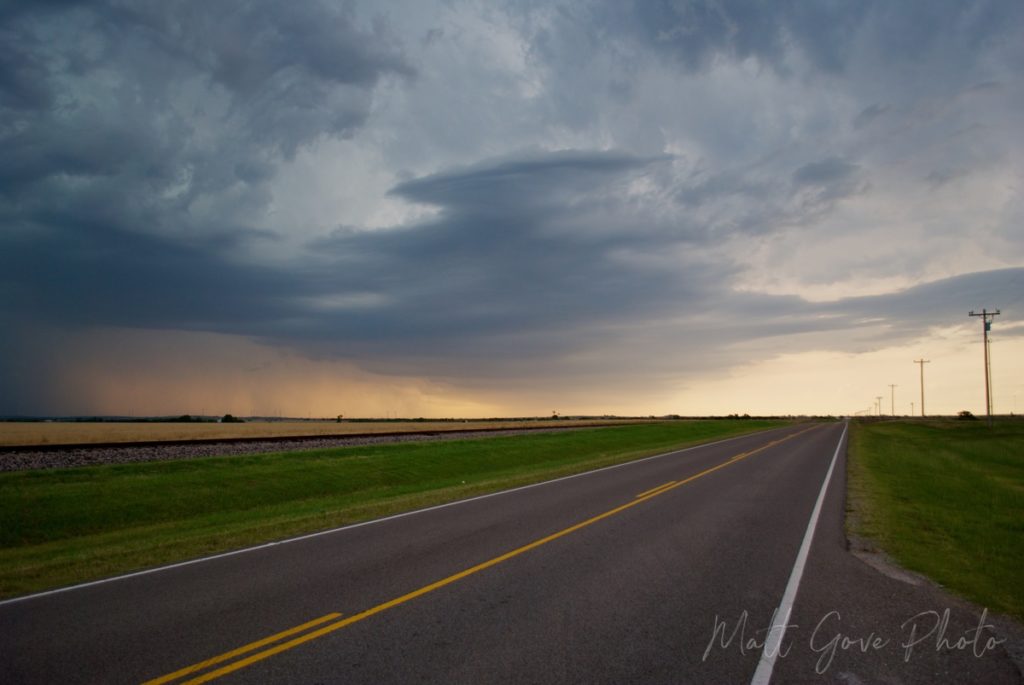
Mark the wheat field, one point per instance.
(72, 433)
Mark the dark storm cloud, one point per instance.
(527, 256)
(541, 179)
(139, 139)
(94, 274)
(504, 280)
(22, 74)
(945, 302)
(177, 111)
(522, 244)
(142, 142)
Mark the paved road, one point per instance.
(666, 570)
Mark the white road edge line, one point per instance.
(780, 619)
(331, 531)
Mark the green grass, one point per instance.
(945, 499)
(65, 526)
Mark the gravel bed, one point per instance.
(23, 460)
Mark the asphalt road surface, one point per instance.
(724, 563)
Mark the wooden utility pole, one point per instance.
(921, 362)
(892, 401)
(878, 401)
(986, 325)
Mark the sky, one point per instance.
(449, 208)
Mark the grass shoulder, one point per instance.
(945, 499)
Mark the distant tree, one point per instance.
(966, 416)
(228, 418)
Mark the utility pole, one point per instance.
(892, 402)
(878, 402)
(986, 323)
(911, 408)
(921, 362)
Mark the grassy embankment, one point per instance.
(70, 525)
(945, 499)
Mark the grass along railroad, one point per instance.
(63, 526)
(945, 499)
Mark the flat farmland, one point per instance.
(25, 434)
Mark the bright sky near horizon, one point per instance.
(484, 208)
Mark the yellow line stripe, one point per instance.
(188, 670)
(773, 443)
(355, 618)
(653, 490)
(259, 656)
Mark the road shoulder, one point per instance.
(860, 619)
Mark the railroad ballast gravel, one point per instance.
(13, 459)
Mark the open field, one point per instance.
(70, 525)
(945, 499)
(73, 433)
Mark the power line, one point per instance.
(921, 362)
(986, 322)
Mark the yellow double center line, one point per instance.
(773, 443)
(652, 491)
(331, 627)
(244, 649)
